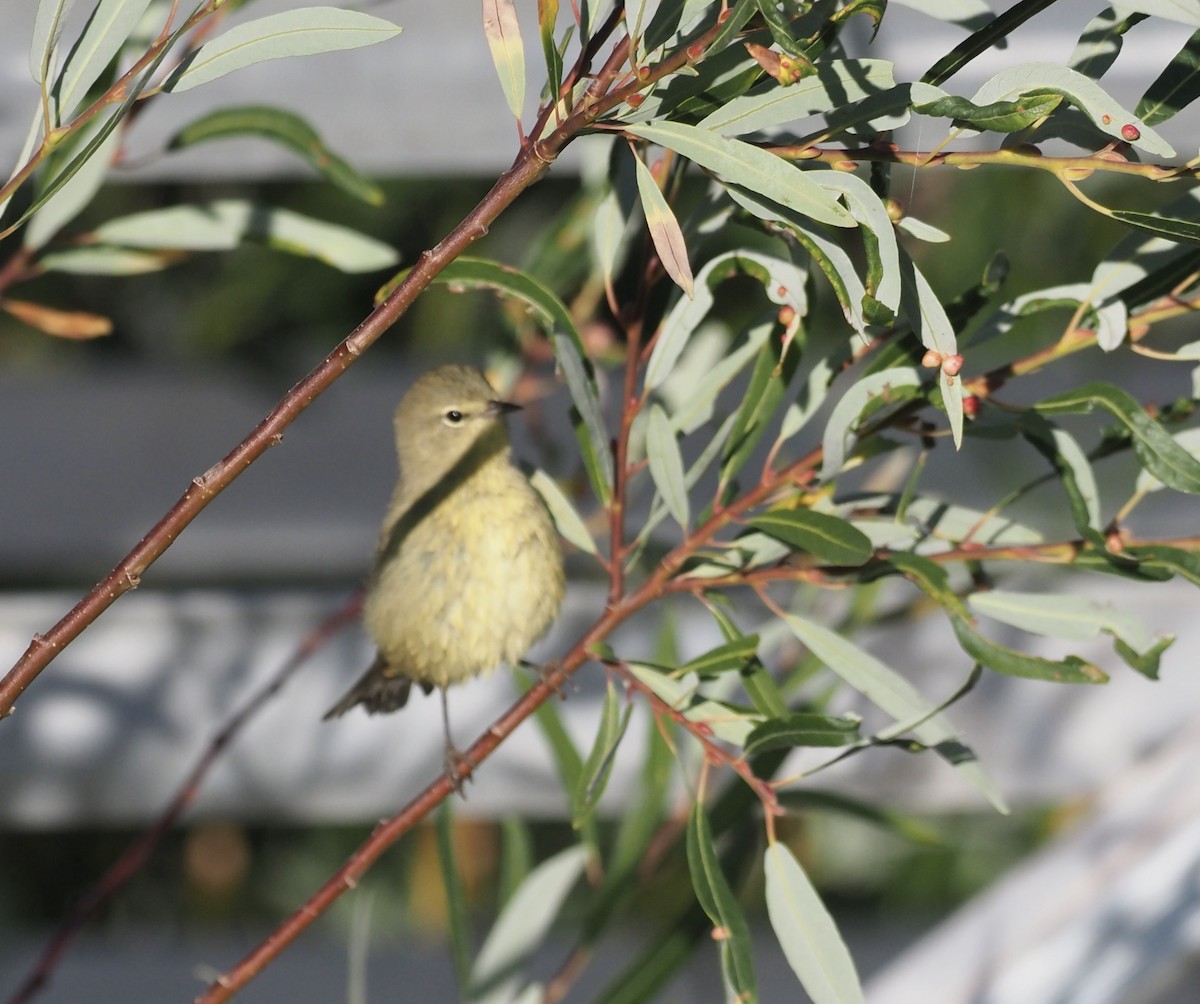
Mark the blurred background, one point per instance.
(98, 439)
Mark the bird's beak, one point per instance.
(501, 407)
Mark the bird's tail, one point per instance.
(377, 690)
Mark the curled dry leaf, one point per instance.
(74, 324)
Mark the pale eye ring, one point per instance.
(453, 417)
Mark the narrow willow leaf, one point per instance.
(591, 432)
(883, 254)
(1089, 97)
(597, 769)
(666, 465)
(999, 116)
(1072, 465)
(74, 194)
(734, 655)
(829, 256)
(664, 230)
(731, 932)
(457, 924)
(1189, 439)
(804, 728)
(839, 438)
(825, 537)
(508, 52)
(891, 692)
(99, 260)
(1174, 560)
(764, 393)
(566, 517)
(226, 223)
(105, 32)
(952, 401)
(547, 11)
(675, 693)
(835, 83)
(1165, 226)
(1005, 660)
(288, 130)
(1062, 615)
(612, 225)
(807, 933)
(1158, 452)
(522, 927)
(1182, 11)
(782, 280)
(301, 32)
(729, 724)
(48, 24)
(1100, 43)
(748, 166)
(925, 311)
(923, 231)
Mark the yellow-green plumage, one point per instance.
(468, 572)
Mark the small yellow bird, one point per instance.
(468, 571)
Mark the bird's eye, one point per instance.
(453, 417)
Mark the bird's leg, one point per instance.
(457, 764)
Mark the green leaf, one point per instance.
(76, 190)
(1169, 559)
(1176, 87)
(1100, 43)
(1005, 660)
(666, 465)
(522, 927)
(566, 517)
(732, 933)
(1158, 452)
(999, 116)
(748, 166)
(48, 23)
(839, 438)
(835, 83)
(457, 923)
(768, 383)
(1189, 439)
(301, 32)
(508, 52)
(1164, 226)
(664, 230)
(807, 933)
(804, 728)
(1033, 79)
(547, 11)
(734, 655)
(103, 36)
(1061, 615)
(1073, 467)
(286, 129)
(993, 32)
(879, 237)
(782, 281)
(891, 692)
(705, 369)
(825, 537)
(593, 779)
(226, 223)
(590, 430)
(99, 260)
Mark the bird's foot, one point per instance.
(547, 674)
(458, 767)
